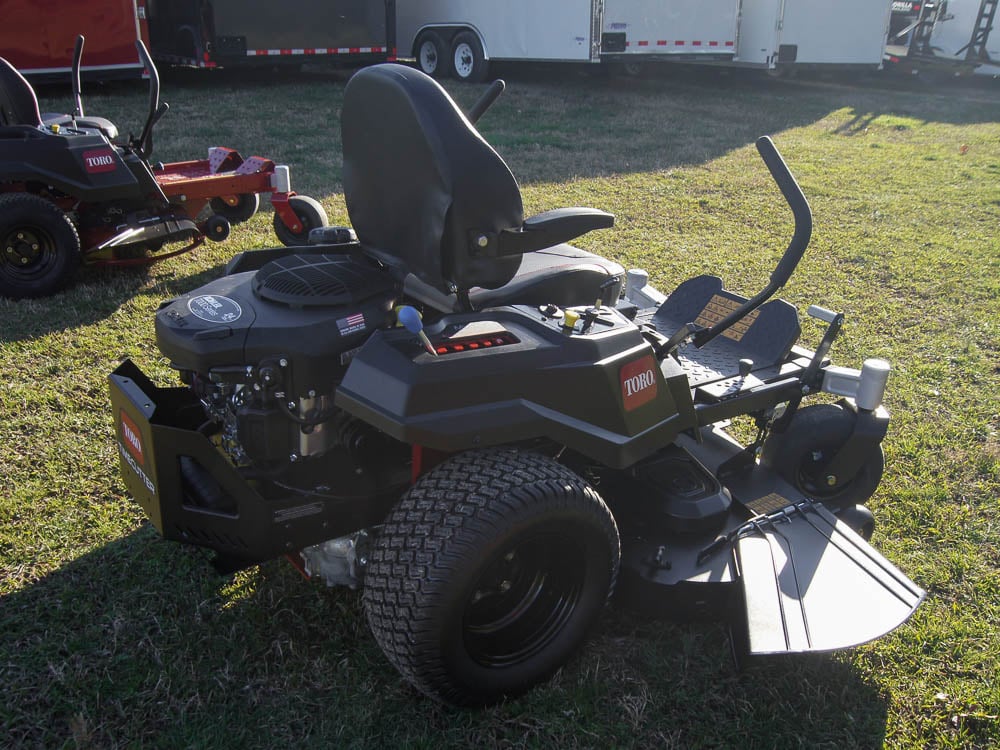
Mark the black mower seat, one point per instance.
(103, 126)
(428, 196)
(18, 103)
(561, 275)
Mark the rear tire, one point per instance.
(468, 61)
(311, 215)
(489, 574)
(39, 247)
(432, 55)
(815, 435)
(247, 205)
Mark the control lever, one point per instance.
(409, 318)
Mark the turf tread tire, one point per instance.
(459, 514)
(64, 258)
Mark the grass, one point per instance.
(110, 637)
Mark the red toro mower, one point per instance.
(70, 191)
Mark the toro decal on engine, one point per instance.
(638, 382)
(130, 447)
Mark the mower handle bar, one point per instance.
(144, 146)
(796, 201)
(75, 77)
(485, 101)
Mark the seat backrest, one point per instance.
(420, 183)
(18, 104)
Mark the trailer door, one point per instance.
(838, 32)
(691, 29)
(757, 42)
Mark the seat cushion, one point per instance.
(561, 275)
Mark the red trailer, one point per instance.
(38, 38)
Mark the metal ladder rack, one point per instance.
(976, 48)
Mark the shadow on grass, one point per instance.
(138, 643)
(96, 295)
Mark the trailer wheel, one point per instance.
(246, 206)
(488, 575)
(467, 58)
(311, 215)
(39, 247)
(816, 433)
(432, 54)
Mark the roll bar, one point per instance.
(793, 253)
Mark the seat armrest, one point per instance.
(552, 228)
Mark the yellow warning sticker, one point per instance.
(718, 308)
(771, 503)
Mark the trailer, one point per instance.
(460, 38)
(230, 33)
(38, 38)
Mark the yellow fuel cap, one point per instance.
(570, 317)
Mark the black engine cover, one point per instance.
(309, 310)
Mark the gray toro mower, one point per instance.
(488, 430)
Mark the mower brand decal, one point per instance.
(127, 458)
(638, 382)
(351, 324)
(99, 160)
(130, 437)
(718, 308)
(215, 309)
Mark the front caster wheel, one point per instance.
(488, 575)
(800, 453)
(310, 215)
(237, 208)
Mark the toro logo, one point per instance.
(99, 160)
(638, 382)
(130, 438)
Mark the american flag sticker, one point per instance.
(351, 324)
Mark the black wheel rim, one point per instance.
(523, 600)
(812, 480)
(27, 253)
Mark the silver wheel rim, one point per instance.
(464, 60)
(428, 57)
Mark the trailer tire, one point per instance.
(489, 574)
(815, 434)
(468, 61)
(311, 215)
(432, 55)
(39, 247)
(245, 208)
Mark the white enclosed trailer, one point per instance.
(461, 37)
(778, 33)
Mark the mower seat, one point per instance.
(428, 196)
(18, 103)
(562, 275)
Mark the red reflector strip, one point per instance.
(317, 51)
(472, 344)
(678, 43)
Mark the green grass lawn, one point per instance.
(110, 637)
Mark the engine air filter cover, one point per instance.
(319, 280)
